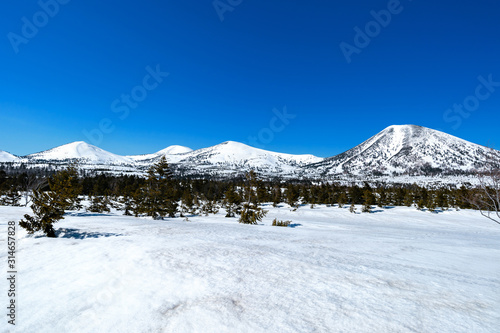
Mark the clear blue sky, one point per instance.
(226, 76)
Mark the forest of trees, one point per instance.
(161, 195)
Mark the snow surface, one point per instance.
(7, 157)
(395, 270)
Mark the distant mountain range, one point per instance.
(396, 151)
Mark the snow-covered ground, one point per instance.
(395, 270)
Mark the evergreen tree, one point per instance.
(156, 197)
(276, 196)
(355, 194)
(352, 209)
(47, 209)
(209, 207)
(67, 187)
(382, 197)
(399, 196)
(431, 203)
(232, 202)
(442, 199)
(99, 203)
(292, 196)
(186, 201)
(342, 200)
(408, 199)
(368, 199)
(251, 213)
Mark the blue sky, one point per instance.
(229, 79)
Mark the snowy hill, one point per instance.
(171, 150)
(80, 151)
(174, 150)
(7, 157)
(408, 149)
(235, 157)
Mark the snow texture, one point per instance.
(395, 270)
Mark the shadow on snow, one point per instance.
(79, 234)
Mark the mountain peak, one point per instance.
(7, 157)
(174, 150)
(409, 149)
(80, 150)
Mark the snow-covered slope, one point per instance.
(80, 151)
(397, 270)
(237, 157)
(408, 149)
(171, 150)
(7, 157)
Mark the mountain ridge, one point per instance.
(396, 150)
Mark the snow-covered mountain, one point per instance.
(81, 151)
(234, 157)
(405, 151)
(227, 158)
(171, 150)
(408, 149)
(7, 157)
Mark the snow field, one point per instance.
(396, 270)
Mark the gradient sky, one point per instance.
(227, 76)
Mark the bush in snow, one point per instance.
(277, 223)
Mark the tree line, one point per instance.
(160, 195)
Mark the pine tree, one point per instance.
(382, 197)
(399, 196)
(98, 203)
(408, 199)
(352, 208)
(47, 209)
(186, 201)
(355, 194)
(156, 197)
(276, 196)
(251, 213)
(342, 200)
(292, 196)
(232, 202)
(209, 207)
(420, 204)
(431, 203)
(368, 199)
(66, 185)
(442, 199)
